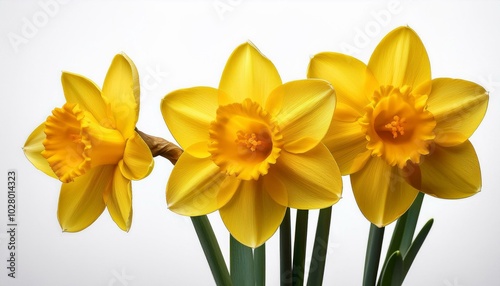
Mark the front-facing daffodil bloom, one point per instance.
(252, 147)
(91, 146)
(397, 131)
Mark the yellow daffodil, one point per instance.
(399, 132)
(252, 147)
(91, 146)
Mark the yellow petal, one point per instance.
(81, 202)
(275, 188)
(119, 201)
(121, 89)
(199, 150)
(85, 93)
(227, 189)
(401, 59)
(452, 172)
(347, 143)
(252, 216)
(312, 179)
(248, 74)
(303, 110)
(188, 114)
(194, 185)
(353, 82)
(381, 192)
(33, 151)
(458, 107)
(137, 160)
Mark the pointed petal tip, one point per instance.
(400, 59)
(124, 56)
(403, 28)
(248, 74)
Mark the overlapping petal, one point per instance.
(33, 148)
(118, 200)
(121, 88)
(347, 143)
(401, 59)
(451, 172)
(252, 216)
(381, 192)
(303, 110)
(81, 202)
(353, 82)
(458, 107)
(194, 185)
(85, 93)
(248, 74)
(137, 160)
(189, 112)
(312, 179)
(275, 188)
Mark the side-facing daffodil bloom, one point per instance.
(91, 146)
(397, 131)
(252, 147)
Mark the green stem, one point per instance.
(285, 251)
(299, 247)
(259, 258)
(415, 247)
(397, 237)
(320, 248)
(404, 230)
(211, 249)
(411, 224)
(242, 268)
(372, 260)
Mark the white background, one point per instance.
(177, 45)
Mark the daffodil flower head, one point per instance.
(91, 146)
(76, 142)
(252, 147)
(396, 130)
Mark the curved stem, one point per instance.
(161, 147)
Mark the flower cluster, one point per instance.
(255, 146)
